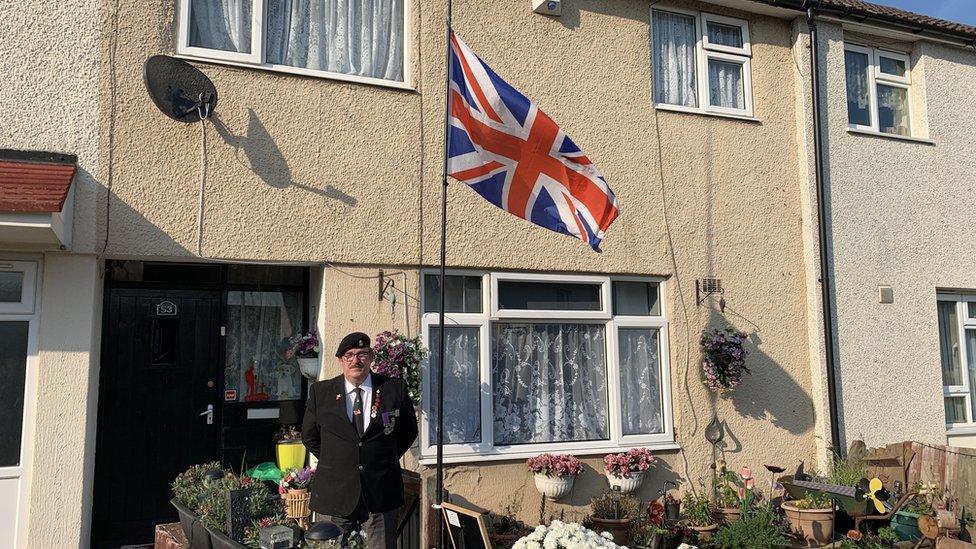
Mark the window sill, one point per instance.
(519, 455)
(323, 75)
(961, 430)
(689, 110)
(897, 137)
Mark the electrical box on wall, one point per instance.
(546, 7)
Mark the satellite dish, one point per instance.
(179, 89)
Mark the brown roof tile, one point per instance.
(903, 16)
(37, 187)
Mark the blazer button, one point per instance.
(360, 444)
(360, 467)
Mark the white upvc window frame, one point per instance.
(966, 323)
(486, 450)
(257, 59)
(704, 51)
(27, 292)
(875, 77)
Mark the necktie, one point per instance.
(357, 411)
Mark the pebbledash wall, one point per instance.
(346, 176)
(896, 216)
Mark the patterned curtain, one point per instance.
(550, 383)
(856, 66)
(257, 325)
(640, 383)
(725, 84)
(462, 384)
(221, 25)
(675, 39)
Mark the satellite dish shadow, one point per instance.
(264, 158)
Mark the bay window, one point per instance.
(568, 363)
(701, 62)
(357, 40)
(878, 83)
(957, 349)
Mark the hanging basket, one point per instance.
(310, 368)
(296, 505)
(628, 483)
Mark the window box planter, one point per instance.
(196, 534)
(905, 524)
(814, 526)
(221, 541)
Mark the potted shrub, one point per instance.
(698, 512)
(213, 510)
(289, 450)
(614, 512)
(727, 485)
(905, 521)
(293, 488)
(645, 534)
(562, 535)
(189, 490)
(758, 528)
(626, 470)
(504, 530)
(554, 474)
(811, 518)
(305, 349)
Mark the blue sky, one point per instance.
(963, 11)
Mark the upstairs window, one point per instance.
(878, 84)
(701, 62)
(358, 40)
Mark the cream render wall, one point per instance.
(897, 216)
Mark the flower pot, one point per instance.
(196, 535)
(290, 454)
(221, 541)
(814, 526)
(725, 515)
(310, 368)
(657, 542)
(554, 487)
(618, 528)
(672, 511)
(627, 483)
(704, 532)
(905, 524)
(296, 505)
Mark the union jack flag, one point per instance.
(511, 153)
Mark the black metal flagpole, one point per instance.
(439, 498)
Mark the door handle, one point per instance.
(209, 413)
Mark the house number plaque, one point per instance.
(166, 308)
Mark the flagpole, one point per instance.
(439, 498)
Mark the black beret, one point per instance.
(355, 340)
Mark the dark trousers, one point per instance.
(380, 528)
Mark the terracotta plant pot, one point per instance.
(725, 515)
(704, 532)
(554, 487)
(814, 526)
(628, 483)
(618, 528)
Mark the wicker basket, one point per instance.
(296, 505)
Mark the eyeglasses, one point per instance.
(348, 357)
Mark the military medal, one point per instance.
(376, 405)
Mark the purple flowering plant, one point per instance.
(400, 356)
(723, 358)
(632, 461)
(296, 479)
(561, 465)
(302, 346)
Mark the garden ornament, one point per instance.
(873, 490)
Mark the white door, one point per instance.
(18, 360)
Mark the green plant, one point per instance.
(213, 509)
(929, 498)
(614, 505)
(643, 532)
(847, 472)
(725, 483)
(697, 509)
(815, 500)
(883, 539)
(759, 528)
(189, 487)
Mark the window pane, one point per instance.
(221, 25)
(514, 294)
(972, 309)
(11, 286)
(463, 294)
(635, 298)
(13, 372)
(892, 66)
(893, 110)
(856, 65)
(675, 39)
(258, 325)
(724, 35)
(348, 37)
(955, 409)
(549, 383)
(725, 86)
(282, 275)
(949, 343)
(640, 381)
(971, 366)
(462, 384)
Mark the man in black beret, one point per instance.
(359, 424)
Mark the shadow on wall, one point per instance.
(264, 158)
(128, 227)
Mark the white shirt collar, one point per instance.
(367, 384)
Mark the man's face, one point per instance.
(355, 364)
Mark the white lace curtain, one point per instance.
(257, 325)
(675, 37)
(640, 383)
(858, 90)
(725, 84)
(462, 387)
(361, 37)
(549, 383)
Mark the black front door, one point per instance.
(159, 378)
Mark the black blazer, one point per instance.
(350, 466)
